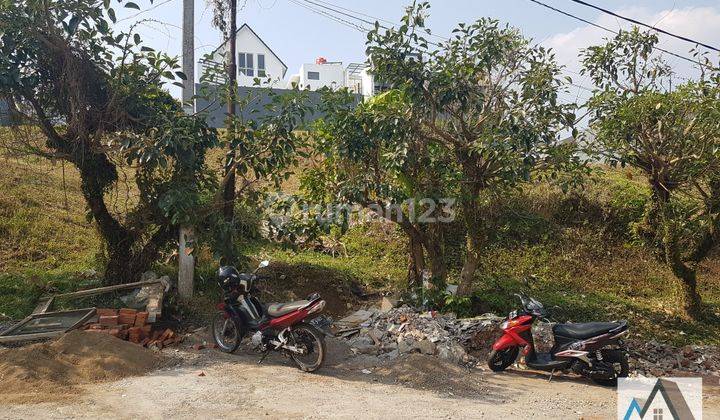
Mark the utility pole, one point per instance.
(231, 67)
(186, 261)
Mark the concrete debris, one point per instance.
(404, 330)
(357, 318)
(387, 304)
(650, 358)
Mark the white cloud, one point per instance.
(699, 23)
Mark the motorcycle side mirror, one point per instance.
(264, 263)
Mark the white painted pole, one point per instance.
(186, 261)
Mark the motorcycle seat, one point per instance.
(279, 309)
(589, 329)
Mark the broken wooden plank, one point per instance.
(43, 306)
(105, 289)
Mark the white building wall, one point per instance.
(330, 75)
(248, 43)
(368, 83)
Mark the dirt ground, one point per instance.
(209, 384)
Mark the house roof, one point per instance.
(245, 25)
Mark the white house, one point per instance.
(357, 77)
(321, 73)
(255, 59)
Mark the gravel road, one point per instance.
(209, 384)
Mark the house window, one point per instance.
(245, 64)
(313, 75)
(261, 65)
(657, 414)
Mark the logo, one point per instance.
(659, 398)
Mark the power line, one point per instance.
(389, 22)
(637, 22)
(547, 6)
(329, 10)
(337, 19)
(363, 20)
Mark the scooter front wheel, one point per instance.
(499, 360)
(227, 332)
(311, 342)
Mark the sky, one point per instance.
(299, 35)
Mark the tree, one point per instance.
(670, 134)
(262, 147)
(371, 156)
(98, 99)
(486, 96)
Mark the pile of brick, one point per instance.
(132, 325)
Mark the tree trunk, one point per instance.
(472, 261)
(692, 302)
(417, 262)
(472, 218)
(118, 267)
(436, 256)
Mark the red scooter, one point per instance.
(594, 350)
(277, 326)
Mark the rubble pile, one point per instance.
(391, 332)
(650, 358)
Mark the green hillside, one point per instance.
(577, 245)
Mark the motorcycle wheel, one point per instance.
(618, 360)
(310, 339)
(227, 332)
(501, 359)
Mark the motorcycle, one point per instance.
(281, 327)
(594, 350)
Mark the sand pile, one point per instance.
(46, 371)
(420, 371)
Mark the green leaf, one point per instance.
(73, 25)
(181, 75)
(131, 5)
(111, 14)
(136, 37)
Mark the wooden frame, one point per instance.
(7, 336)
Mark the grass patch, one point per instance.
(578, 245)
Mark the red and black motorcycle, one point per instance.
(594, 350)
(277, 326)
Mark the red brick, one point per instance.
(127, 311)
(106, 312)
(141, 319)
(109, 321)
(134, 334)
(167, 334)
(127, 316)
